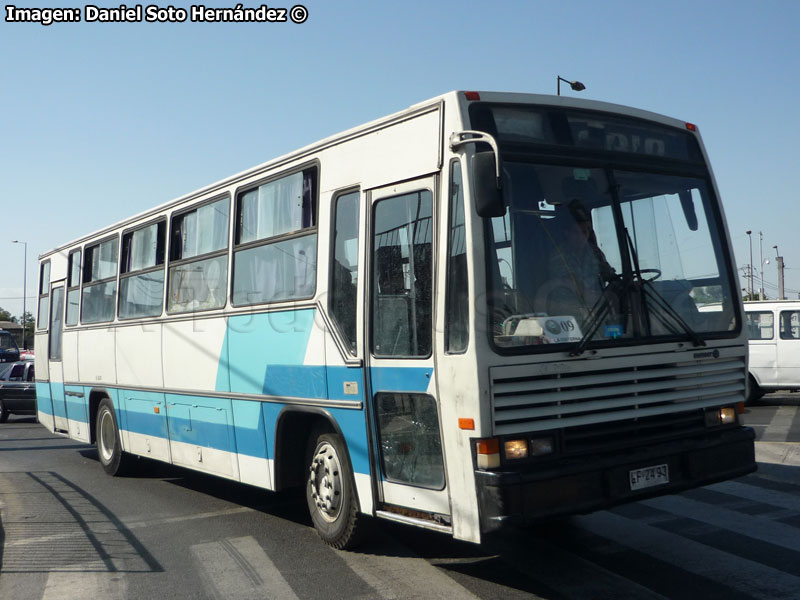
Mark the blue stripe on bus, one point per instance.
(201, 421)
(76, 405)
(43, 401)
(236, 426)
(247, 426)
(258, 349)
(401, 379)
(139, 413)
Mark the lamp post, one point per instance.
(750, 283)
(576, 86)
(24, 292)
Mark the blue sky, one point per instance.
(101, 121)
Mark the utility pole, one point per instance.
(24, 291)
(750, 277)
(779, 260)
(761, 267)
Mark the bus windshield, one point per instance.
(605, 256)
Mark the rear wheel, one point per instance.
(109, 448)
(330, 493)
(3, 412)
(755, 391)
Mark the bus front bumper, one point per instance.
(585, 484)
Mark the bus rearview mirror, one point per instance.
(487, 190)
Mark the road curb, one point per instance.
(779, 453)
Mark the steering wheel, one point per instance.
(655, 274)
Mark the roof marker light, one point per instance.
(472, 95)
(691, 127)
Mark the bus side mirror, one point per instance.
(487, 189)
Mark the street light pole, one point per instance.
(576, 86)
(750, 283)
(24, 292)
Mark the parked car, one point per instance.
(9, 351)
(773, 330)
(17, 389)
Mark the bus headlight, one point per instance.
(720, 416)
(727, 415)
(515, 449)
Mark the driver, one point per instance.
(578, 267)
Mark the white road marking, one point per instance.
(758, 494)
(393, 575)
(724, 568)
(79, 585)
(754, 527)
(239, 569)
(780, 425)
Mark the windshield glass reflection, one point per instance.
(586, 254)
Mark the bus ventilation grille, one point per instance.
(613, 391)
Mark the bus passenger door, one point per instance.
(54, 358)
(404, 408)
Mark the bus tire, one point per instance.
(330, 492)
(3, 412)
(109, 447)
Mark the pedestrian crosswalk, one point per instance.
(775, 423)
(239, 569)
(733, 540)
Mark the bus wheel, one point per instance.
(109, 448)
(3, 412)
(330, 493)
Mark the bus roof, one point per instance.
(456, 96)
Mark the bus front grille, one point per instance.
(621, 390)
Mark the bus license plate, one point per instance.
(649, 477)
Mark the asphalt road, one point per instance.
(70, 532)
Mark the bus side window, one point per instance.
(457, 313)
(402, 300)
(43, 317)
(344, 267)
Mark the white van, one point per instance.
(773, 330)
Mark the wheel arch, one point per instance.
(293, 429)
(753, 376)
(96, 395)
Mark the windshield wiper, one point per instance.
(646, 285)
(658, 300)
(596, 316)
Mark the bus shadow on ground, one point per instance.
(65, 528)
(289, 505)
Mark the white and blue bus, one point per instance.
(480, 311)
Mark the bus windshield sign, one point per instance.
(585, 130)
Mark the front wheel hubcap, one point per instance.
(326, 481)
